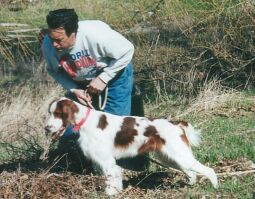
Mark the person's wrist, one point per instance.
(72, 90)
(101, 80)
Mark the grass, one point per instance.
(179, 42)
(224, 136)
(228, 131)
(228, 147)
(226, 118)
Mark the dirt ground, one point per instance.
(62, 178)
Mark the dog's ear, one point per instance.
(69, 108)
(53, 101)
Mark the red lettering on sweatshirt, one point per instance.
(71, 66)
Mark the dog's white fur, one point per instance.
(105, 142)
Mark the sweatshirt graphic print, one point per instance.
(80, 65)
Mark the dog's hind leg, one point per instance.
(185, 161)
(166, 161)
(204, 170)
(192, 176)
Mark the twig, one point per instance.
(162, 165)
(13, 24)
(218, 174)
(24, 30)
(236, 173)
(250, 131)
(54, 163)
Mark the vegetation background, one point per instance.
(194, 60)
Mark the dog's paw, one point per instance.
(213, 177)
(192, 180)
(216, 185)
(110, 191)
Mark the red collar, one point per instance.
(78, 126)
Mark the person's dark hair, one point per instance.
(66, 18)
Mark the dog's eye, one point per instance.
(58, 114)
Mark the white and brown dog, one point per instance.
(105, 137)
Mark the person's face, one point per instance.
(60, 40)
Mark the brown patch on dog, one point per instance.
(65, 110)
(151, 119)
(180, 123)
(185, 139)
(150, 131)
(102, 124)
(127, 133)
(154, 143)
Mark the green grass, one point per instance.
(242, 187)
(8, 79)
(229, 132)
(228, 138)
(230, 188)
(111, 11)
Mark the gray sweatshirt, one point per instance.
(97, 48)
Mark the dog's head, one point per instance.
(62, 113)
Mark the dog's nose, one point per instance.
(47, 129)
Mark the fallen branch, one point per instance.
(236, 173)
(218, 174)
(24, 30)
(162, 165)
(19, 36)
(13, 24)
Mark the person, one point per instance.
(89, 57)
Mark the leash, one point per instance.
(102, 106)
(101, 103)
(89, 104)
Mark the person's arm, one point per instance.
(61, 76)
(121, 57)
(53, 68)
(111, 44)
(117, 47)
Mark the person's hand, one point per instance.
(96, 86)
(42, 34)
(83, 96)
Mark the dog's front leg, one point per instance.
(113, 180)
(112, 173)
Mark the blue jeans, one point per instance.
(119, 93)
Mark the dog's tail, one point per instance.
(193, 135)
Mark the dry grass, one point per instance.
(25, 179)
(23, 112)
(215, 99)
(179, 44)
(157, 184)
(212, 97)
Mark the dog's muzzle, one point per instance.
(56, 134)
